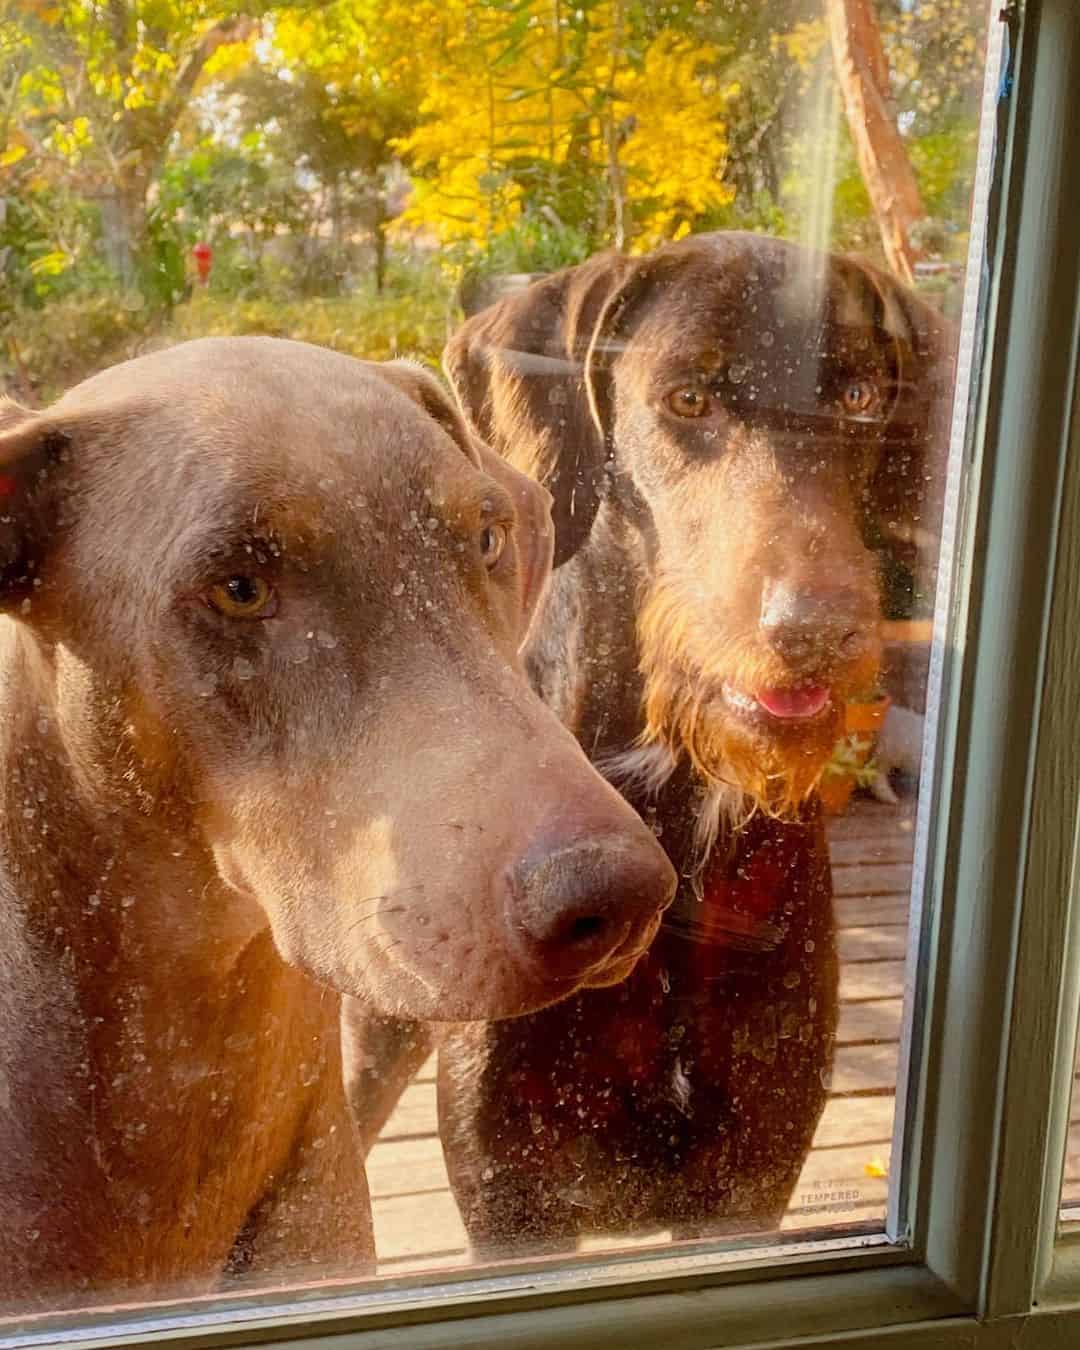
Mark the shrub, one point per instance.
(68, 339)
(54, 346)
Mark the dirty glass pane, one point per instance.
(315, 704)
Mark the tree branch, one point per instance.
(234, 29)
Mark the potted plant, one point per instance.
(852, 765)
(864, 715)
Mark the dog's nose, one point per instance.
(810, 629)
(588, 904)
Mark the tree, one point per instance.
(103, 85)
(330, 100)
(602, 115)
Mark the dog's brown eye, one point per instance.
(243, 597)
(689, 401)
(859, 397)
(492, 542)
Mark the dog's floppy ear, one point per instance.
(32, 446)
(907, 489)
(424, 388)
(531, 373)
(532, 541)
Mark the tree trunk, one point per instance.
(863, 75)
(123, 229)
(616, 183)
(379, 236)
(336, 230)
(143, 140)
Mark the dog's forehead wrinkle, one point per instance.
(762, 305)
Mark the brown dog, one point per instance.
(727, 426)
(265, 741)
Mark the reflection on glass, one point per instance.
(272, 760)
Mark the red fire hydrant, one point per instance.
(204, 256)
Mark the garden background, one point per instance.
(359, 167)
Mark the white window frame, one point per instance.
(986, 1265)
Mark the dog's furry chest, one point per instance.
(653, 1103)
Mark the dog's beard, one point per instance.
(752, 769)
(742, 768)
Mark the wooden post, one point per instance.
(863, 74)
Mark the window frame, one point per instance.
(986, 1265)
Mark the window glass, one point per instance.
(312, 863)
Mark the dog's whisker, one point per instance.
(375, 901)
(378, 955)
(371, 915)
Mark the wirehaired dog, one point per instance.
(260, 610)
(731, 428)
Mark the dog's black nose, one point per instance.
(810, 629)
(579, 907)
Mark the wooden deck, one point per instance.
(845, 1179)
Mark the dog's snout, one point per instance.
(809, 628)
(589, 904)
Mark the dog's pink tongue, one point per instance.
(805, 702)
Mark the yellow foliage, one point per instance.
(483, 114)
(229, 59)
(506, 109)
(803, 43)
(72, 139)
(676, 153)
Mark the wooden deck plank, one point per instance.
(872, 821)
(853, 911)
(873, 879)
(854, 1120)
(865, 1068)
(877, 1020)
(406, 1166)
(869, 943)
(414, 1114)
(410, 1225)
(871, 979)
(888, 848)
(857, 1165)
